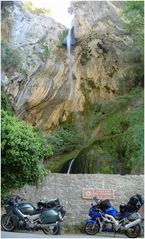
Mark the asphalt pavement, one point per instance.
(42, 235)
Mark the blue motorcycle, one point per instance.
(105, 218)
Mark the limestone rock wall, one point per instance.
(40, 89)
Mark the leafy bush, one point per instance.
(65, 139)
(22, 151)
(134, 76)
(61, 37)
(44, 54)
(129, 125)
(104, 156)
(134, 138)
(10, 58)
(5, 104)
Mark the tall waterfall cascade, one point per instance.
(69, 42)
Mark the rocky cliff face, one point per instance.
(40, 89)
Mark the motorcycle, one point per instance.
(21, 214)
(105, 218)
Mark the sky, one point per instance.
(59, 9)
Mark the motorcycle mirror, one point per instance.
(95, 199)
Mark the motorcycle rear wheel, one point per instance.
(91, 229)
(134, 231)
(7, 223)
(55, 231)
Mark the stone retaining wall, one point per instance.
(68, 188)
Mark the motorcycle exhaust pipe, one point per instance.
(47, 225)
(131, 224)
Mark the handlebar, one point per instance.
(16, 199)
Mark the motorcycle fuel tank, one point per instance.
(49, 216)
(26, 208)
(111, 211)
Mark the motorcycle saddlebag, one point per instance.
(53, 203)
(134, 203)
(49, 216)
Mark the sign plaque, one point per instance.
(89, 193)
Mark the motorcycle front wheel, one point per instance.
(53, 230)
(134, 231)
(91, 229)
(7, 223)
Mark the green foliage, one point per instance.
(61, 37)
(65, 139)
(57, 164)
(134, 13)
(28, 5)
(119, 142)
(128, 123)
(96, 115)
(134, 76)
(22, 151)
(44, 54)
(86, 92)
(104, 156)
(10, 58)
(134, 138)
(5, 104)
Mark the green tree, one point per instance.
(134, 15)
(22, 152)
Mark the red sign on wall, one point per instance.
(89, 193)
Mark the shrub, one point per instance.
(10, 58)
(22, 151)
(61, 37)
(5, 103)
(65, 139)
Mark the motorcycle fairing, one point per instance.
(92, 221)
(122, 215)
(94, 214)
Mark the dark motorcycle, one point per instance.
(20, 214)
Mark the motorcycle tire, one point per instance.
(134, 231)
(55, 231)
(90, 229)
(7, 223)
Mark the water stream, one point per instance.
(69, 42)
(70, 166)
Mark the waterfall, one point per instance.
(70, 166)
(68, 41)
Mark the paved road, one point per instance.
(40, 235)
